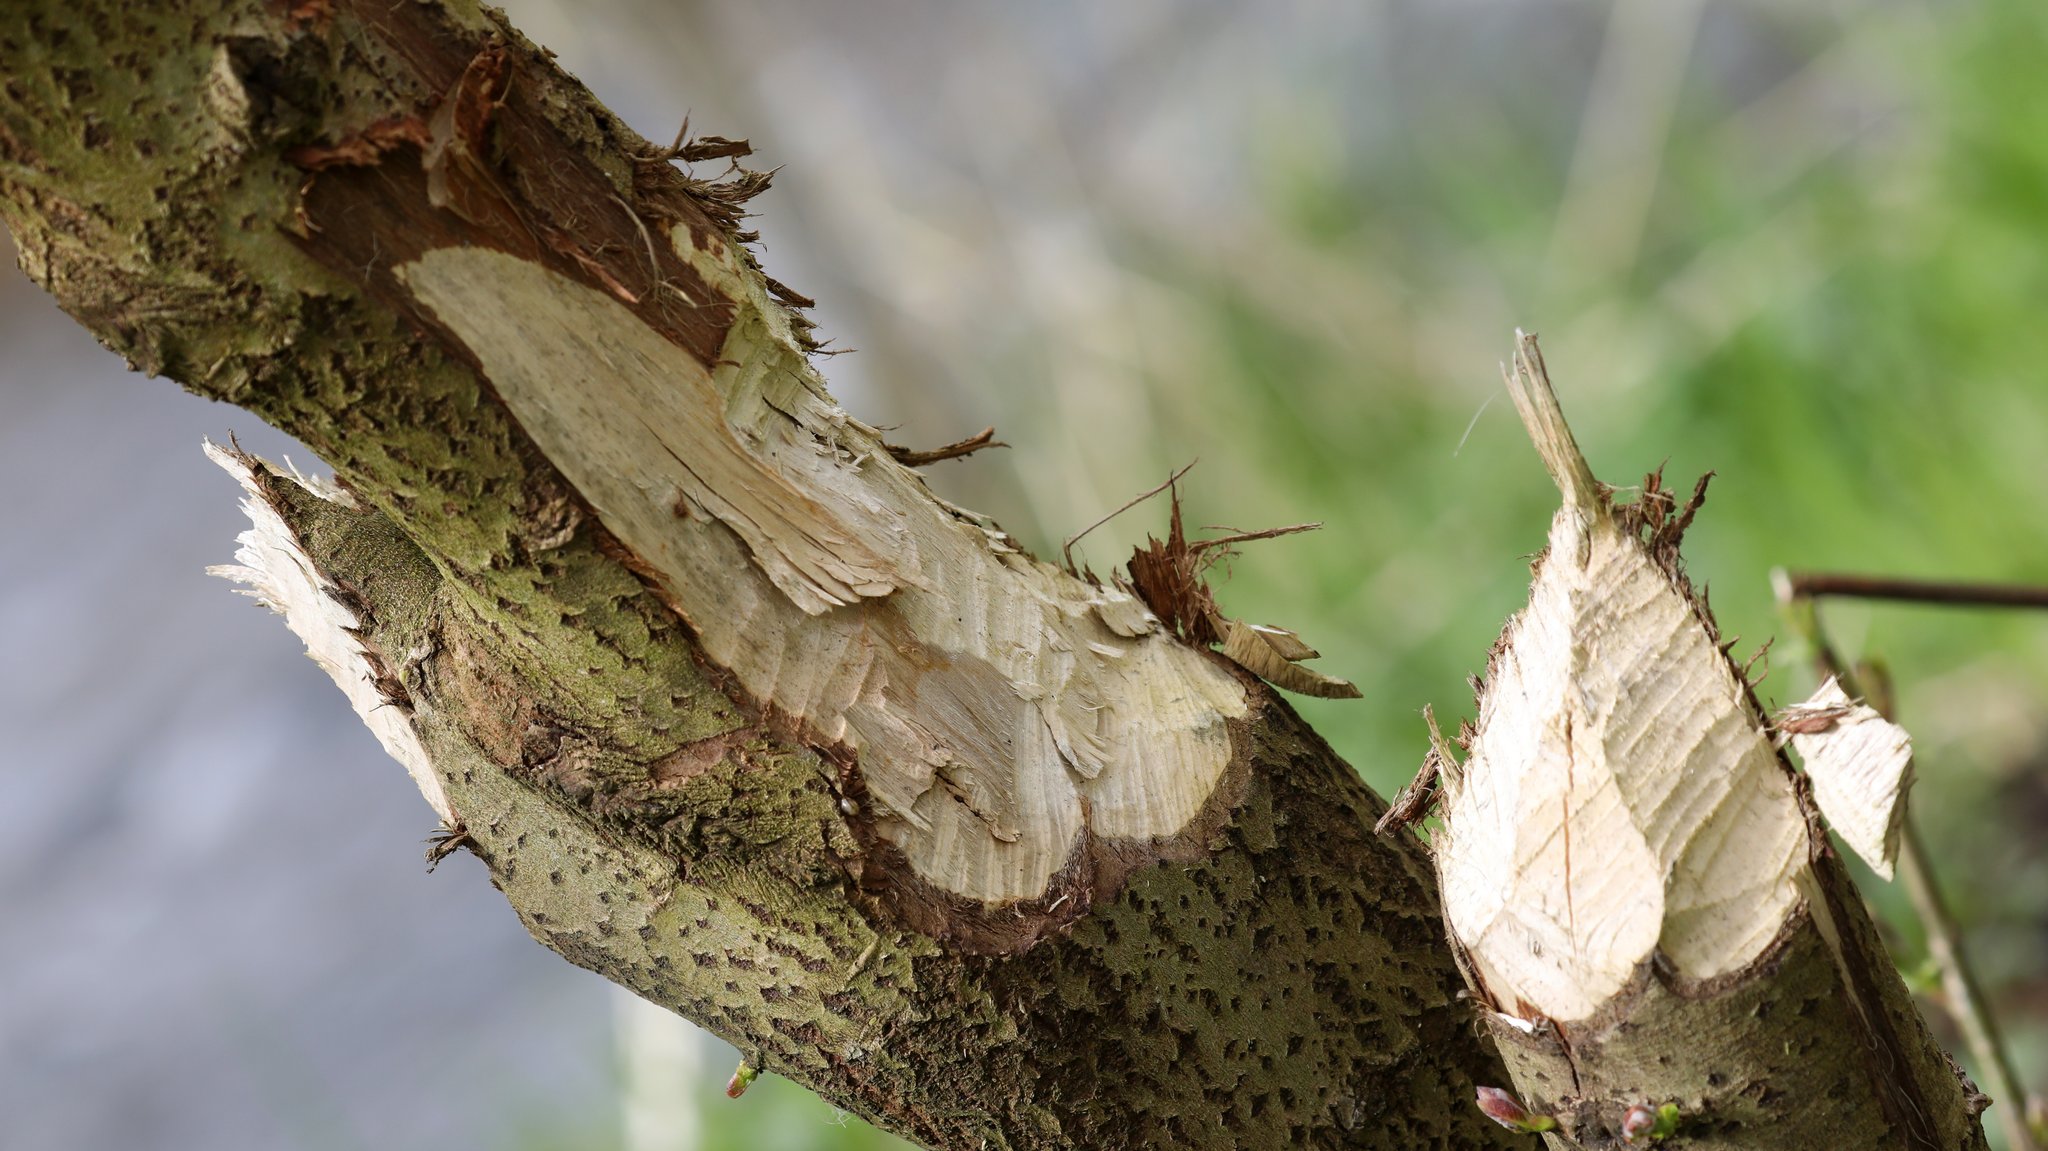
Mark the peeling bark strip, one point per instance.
(957, 450)
(803, 818)
(1628, 870)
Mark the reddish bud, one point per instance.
(1645, 1122)
(1508, 1111)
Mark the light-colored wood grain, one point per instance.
(1621, 798)
(1861, 765)
(998, 705)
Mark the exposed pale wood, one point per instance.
(1193, 977)
(277, 573)
(1861, 765)
(995, 712)
(1629, 872)
(1619, 799)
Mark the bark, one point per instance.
(1703, 949)
(737, 714)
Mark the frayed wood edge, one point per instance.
(277, 572)
(1861, 767)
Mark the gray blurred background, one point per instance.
(1802, 244)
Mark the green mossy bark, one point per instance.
(1291, 989)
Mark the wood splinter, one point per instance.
(959, 449)
(1413, 801)
(1861, 765)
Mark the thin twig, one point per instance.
(1067, 549)
(1797, 594)
(1237, 537)
(912, 458)
(1814, 585)
(1959, 984)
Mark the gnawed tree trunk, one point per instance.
(743, 718)
(736, 712)
(1640, 889)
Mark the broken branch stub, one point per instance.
(1627, 867)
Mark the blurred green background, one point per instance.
(1802, 245)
